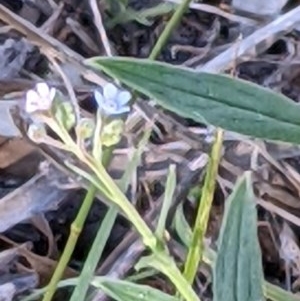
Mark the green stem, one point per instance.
(169, 268)
(114, 193)
(121, 200)
(149, 239)
(97, 147)
(117, 196)
(169, 28)
(76, 228)
(196, 249)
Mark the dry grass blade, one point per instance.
(35, 196)
(289, 252)
(217, 11)
(99, 25)
(256, 43)
(51, 45)
(69, 87)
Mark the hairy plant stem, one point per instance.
(76, 226)
(114, 193)
(149, 238)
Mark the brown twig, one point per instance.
(99, 25)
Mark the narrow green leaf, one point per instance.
(182, 227)
(168, 196)
(138, 276)
(121, 290)
(94, 254)
(238, 274)
(220, 100)
(276, 293)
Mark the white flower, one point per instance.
(40, 98)
(112, 101)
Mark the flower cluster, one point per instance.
(110, 100)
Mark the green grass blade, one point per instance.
(94, 255)
(276, 293)
(168, 196)
(195, 251)
(182, 227)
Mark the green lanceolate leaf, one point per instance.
(220, 100)
(238, 274)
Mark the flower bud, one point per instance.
(85, 128)
(112, 132)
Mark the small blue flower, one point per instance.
(112, 101)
